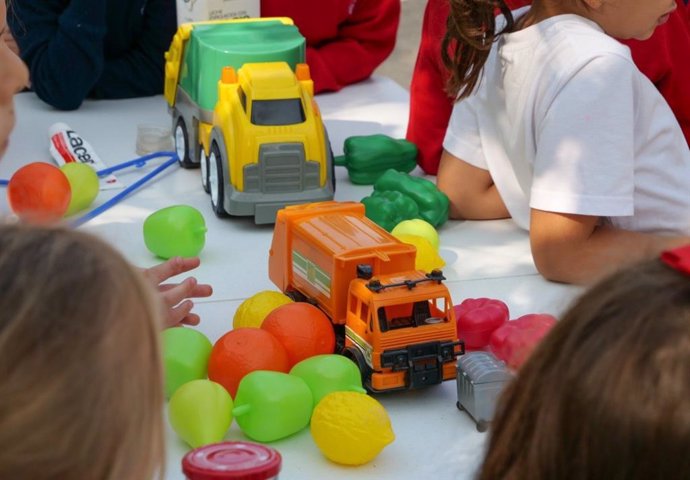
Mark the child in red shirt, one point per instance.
(663, 58)
(346, 39)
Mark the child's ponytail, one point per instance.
(471, 30)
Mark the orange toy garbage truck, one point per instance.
(396, 323)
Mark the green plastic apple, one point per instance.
(272, 405)
(324, 374)
(200, 412)
(419, 227)
(177, 231)
(83, 182)
(185, 357)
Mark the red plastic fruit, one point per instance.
(39, 193)
(514, 341)
(477, 318)
(303, 329)
(243, 351)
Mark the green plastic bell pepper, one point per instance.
(367, 157)
(388, 208)
(385, 207)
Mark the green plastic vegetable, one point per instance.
(395, 193)
(328, 373)
(185, 357)
(179, 230)
(200, 412)
(388, 208)
(367, 157)
(272, 405)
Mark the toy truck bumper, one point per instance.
(281, 177)
(417, 366)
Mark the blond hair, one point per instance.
(80, 369)
(607, 393)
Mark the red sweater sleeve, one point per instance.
(664, 58)
(346, 39)
(430, 106)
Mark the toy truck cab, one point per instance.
(268, 146)
(400, 330)
(395, 322)
(271, 147)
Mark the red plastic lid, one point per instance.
(232, 460)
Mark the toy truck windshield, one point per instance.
(406, 315)
(287, 111)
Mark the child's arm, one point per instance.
(139, 72)
(470, 189)
(175, 297)
(363, 42)
(62, 46)
(430, 105)
(576, 249)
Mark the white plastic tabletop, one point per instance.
(483, 259)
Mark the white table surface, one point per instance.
(483, 259)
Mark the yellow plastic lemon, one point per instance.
(253, 310)
(417, 226)
(427, 257)
(350, 428)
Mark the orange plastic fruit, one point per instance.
(303, 329)
(243, 351)
(39, 193)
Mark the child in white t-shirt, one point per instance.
(556, 128)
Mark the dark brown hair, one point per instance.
(80, 367)
(471, 30)
(607, 393)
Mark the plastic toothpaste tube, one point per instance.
(67, 146)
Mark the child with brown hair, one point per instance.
(606, 395)
(14, 76)
(556, 128)
(81, 394)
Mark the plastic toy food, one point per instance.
(395, 322)
(350, 428)
(419, 227)
(366, 157)
(329, 373)
(232, 461)
(185, 357)
(477, 318)
(39, 193)
(303, 329)
(427, 258)
(514, 341)
(177, 231)
(388, 208)
(432, 204)
(243, 108)
(272, 405)
(252, 311)
(243, 351)
(84, 186)
(200, 412)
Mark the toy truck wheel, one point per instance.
(356, 356)
(204, 172)
(482, 426)
(182, 143)
(215, 181)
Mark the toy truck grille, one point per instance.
(481, 378)
(282, 168)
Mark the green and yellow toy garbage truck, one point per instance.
(242, 105)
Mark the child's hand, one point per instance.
(176, 296)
